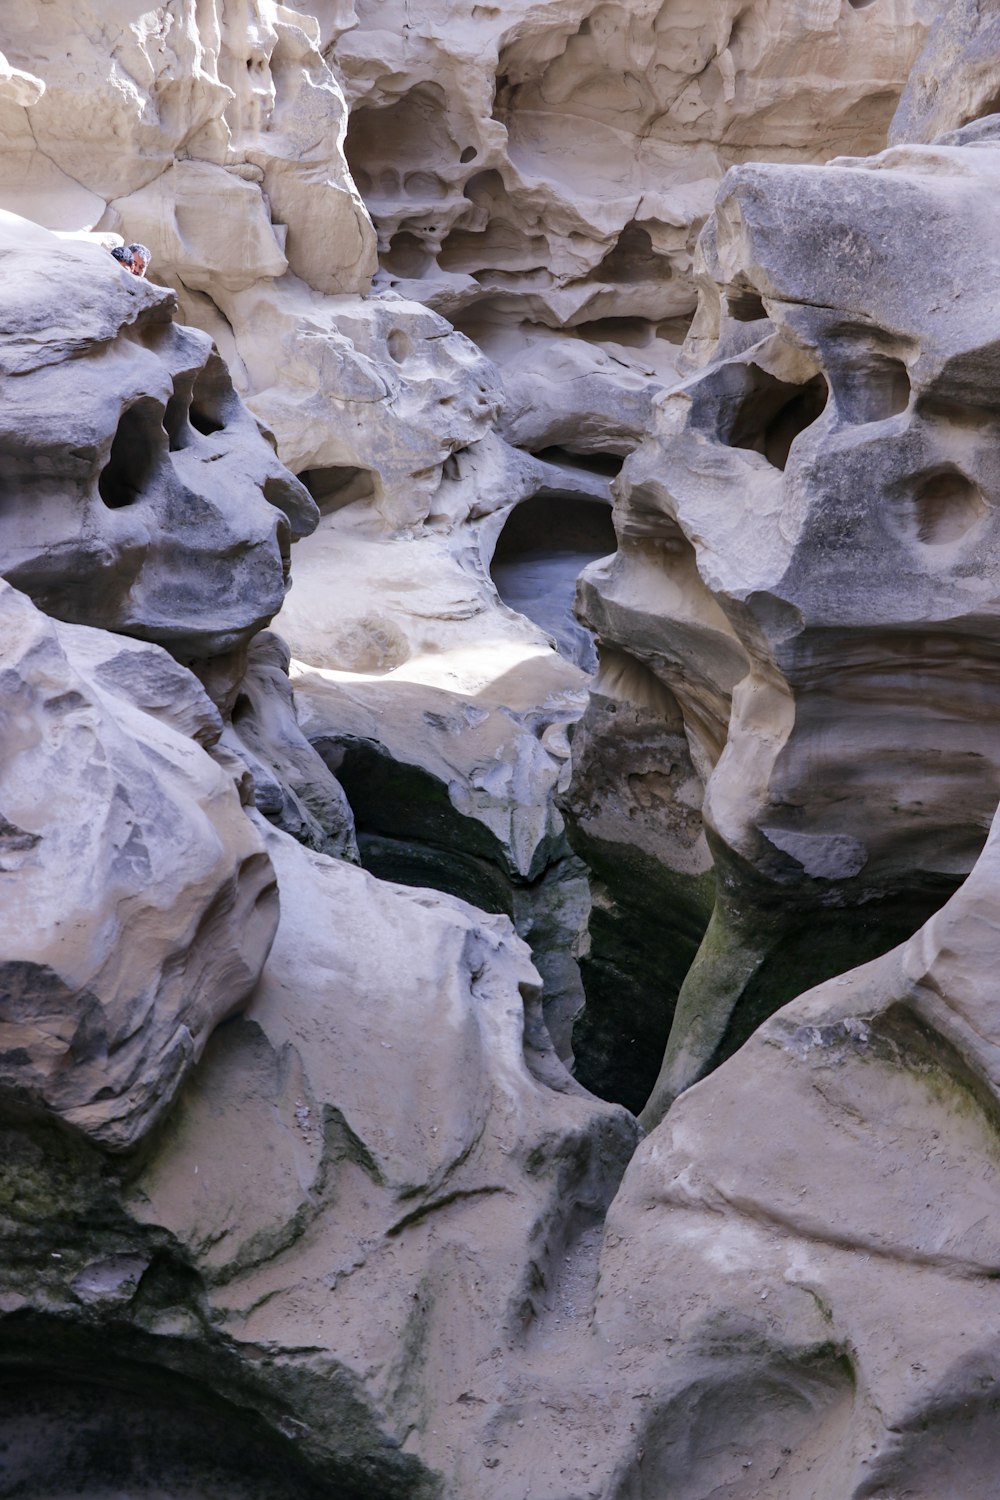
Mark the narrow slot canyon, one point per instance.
(498, 750)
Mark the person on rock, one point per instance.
(123, 256)
(141, 257)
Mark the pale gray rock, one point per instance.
(386, 1191)
(539, 175)
(212, 117)
(827, 1204)
(955, 81)
(824, 490)
(141, 496)
(553, 165)
(369, 399)
(292, 786)
(139, 902)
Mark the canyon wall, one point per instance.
(497, 635)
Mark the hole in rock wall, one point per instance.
(175, 418)
(410, 134)
(773, 413)
(607, 465)
(204, 422)
(501, 246)
(212, 398)
(632, 259)
(400, 345)
(746, 307)
(407, 256)
(135, 453)
(871, 386)
(633, 333)
(939, 508)
(544, 546)
(334, 487)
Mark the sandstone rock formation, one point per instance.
(138, 902)
(825, 489)
(313, 1205)
(543, 172)
(831, 1254)
(131, 467)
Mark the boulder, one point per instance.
(141, 496)
(139, 902)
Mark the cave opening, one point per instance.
(772, 413)
(135, 451)
(546, 543)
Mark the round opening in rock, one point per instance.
(545, 545)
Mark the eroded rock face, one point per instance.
(139, 903)
(225, 156)
(562, 179)
(358, 1257)
(540, 175)
(823, 495)
(229, 109)
(141, 496)
(397, 1184)
(831, 1251)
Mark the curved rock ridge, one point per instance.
(139, 904)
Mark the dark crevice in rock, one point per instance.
(338, 485)
(135, 452)
(773, 413)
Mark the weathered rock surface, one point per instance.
(824, 1328)
(553, 165)
(222, 116)
(358, 1249)
(810, 530)
(393, 1172)
(139, 904)
(956, 79)
(540, 174)
(141, 496)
